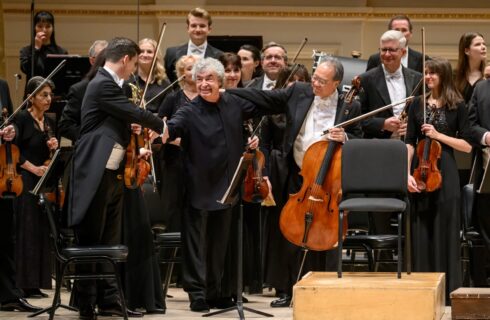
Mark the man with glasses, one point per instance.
(383, 85)
(411, 59)
(310, 110)
(273, 59)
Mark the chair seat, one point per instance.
(373, 204)
(118, 252)
(385, 241)
(169, 239)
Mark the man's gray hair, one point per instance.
(336, 64)
(208, 64)
(91, 51)
(396, 36)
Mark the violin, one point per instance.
(136, 169)
(255, 187)
(427, 174)
(10, 181)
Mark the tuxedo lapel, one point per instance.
(381, 87)
(409, 81)
(303, 103)
(181, 51)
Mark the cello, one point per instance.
(310, 217)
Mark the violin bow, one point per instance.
(33, 93)
(142, 101)
(170, 86)
(423, 74)
(295, 65)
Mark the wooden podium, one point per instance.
(368, 295)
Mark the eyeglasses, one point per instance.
(321, 81)
(45, 95)
(390, 50)
(275, 57)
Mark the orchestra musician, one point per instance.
(96, 185)
(412, 59)
(250, 59)
(44, 44)
(273, 59)
(310, 109)
(472, 55)
(11, 296)
(383, 85)
(436, 221)
(198, 28)
(69, 124)
(479, 118)
(36, 141)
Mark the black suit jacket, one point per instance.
(106, 117)
(296, 102)
(414, 60)
(174, 53)
(5, 100)
(479, 119)
(212, 144)
(375, 95)
(69, 125)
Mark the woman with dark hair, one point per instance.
(233, 73)
(472, 56)
(44, 44)
(435, 215)
(36, 141)
(250, 58)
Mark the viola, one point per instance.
(10, 181)
(255, 187)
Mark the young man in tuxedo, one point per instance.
(96, 185)
(198, 28)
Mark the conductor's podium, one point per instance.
(363, 295)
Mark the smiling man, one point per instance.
(212, 142)
(198, 28)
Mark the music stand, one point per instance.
(49, 183)
(229, 197)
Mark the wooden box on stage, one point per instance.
(470, 303)
(369, 295)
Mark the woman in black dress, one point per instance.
(44, 44)
(436, 215)
(36, 143)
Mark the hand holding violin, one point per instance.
(8, 133)
(430, 131)
(412, 184)
(402, 130)
(253, 142)
(392, 124)
(52, 143)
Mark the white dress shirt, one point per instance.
(320, 117)
(196, 50)
(396, 88)
(268, 83)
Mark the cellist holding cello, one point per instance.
(310, 109)
(436, 214)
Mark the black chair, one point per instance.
(474, 252)
(374, 179)
(78, 255)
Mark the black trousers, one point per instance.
(102, 225)
(8, 286)
(205, 237)
(482, 207)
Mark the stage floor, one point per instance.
(177, 308)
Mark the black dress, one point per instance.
(39, 59)
(32, 249)
(436, 221)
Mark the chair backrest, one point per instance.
(467, 201)
(374, 166)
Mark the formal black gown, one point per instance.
(32, 249)
(436, 220)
